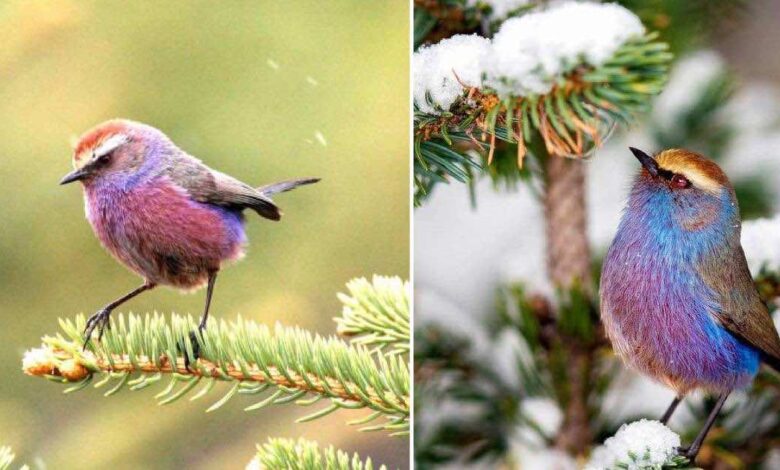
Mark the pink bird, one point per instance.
(161, 212)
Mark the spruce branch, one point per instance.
(573, 119)
(306, 455)
(523, 91)
(292, 364)
(376, 314)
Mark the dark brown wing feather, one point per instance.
(214, 187)
(742, 311)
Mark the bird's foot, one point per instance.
(688, 453)
(100, 320)
(195, 345)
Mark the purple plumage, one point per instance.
(656, 306)
(678, 302)
(159, 232)
(677, 299)
(161, 212)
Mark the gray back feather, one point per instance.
(214, 187)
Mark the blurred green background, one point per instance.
(245, 86)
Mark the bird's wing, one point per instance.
(742, 311)
(206, 185)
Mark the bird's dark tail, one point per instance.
(282, 186)
(263, 204)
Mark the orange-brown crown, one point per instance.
(99, 135)
(699, 170)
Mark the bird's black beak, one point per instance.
(646, 160)
(74, 175)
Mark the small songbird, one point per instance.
(161, 212)
(677, 299)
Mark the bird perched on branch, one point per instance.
(161, 212)
(677, 299)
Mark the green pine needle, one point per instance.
(572, 120)
(306, 455)
(139, 350)
(376, 314)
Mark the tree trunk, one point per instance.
(568, 252)
(568, 265)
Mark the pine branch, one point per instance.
(305, 455)
(575, 115)
(376, 314)
(581, 108)
(296, 366)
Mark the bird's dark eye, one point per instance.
(103, 159)
(680, 182)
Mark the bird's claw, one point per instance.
(101, 321)
(195, 348)
(685, 452)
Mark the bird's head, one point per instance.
(693, 187)
(114, 148)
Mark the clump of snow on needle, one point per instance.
(527, 56)
(531, 52)
(638, 445)
(443, 71)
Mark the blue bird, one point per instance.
(678, 302)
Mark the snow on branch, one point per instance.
(567, 73)
(643, 444)
(443, 71)
(532, 52)
(528, 55)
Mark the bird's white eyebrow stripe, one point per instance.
(110, 144)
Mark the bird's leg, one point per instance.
(209, 292)
(670, 410)
(100, 319)
(203, 320)
(693, 450)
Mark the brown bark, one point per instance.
(568, 265)
(568, 252)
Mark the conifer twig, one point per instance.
(572, 115)
(138, 351)
(306, 455)
(376, 314)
